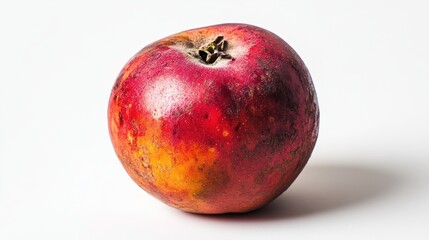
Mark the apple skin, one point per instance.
(228, 136)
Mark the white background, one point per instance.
(368, 176)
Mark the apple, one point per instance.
(216, 119)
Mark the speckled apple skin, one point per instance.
(214, 138)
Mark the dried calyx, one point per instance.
(209, 53)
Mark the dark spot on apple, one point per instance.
(231, 111)
(275, 142)
(291, 133)
(279, 166)
(121, 119)
(206, 116)
(289, 100)
(217, 178)
(238, 126)
(136, 128)
(260, 177)
(135, 75)
(294, 65)
(189, 44)
(248, 154)
(295, 151)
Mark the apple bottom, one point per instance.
(235, 196)
(235, 176)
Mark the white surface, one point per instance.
(367, 179)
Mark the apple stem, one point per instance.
(209, 53)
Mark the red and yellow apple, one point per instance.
(216, 119)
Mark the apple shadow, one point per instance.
(322, 189)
